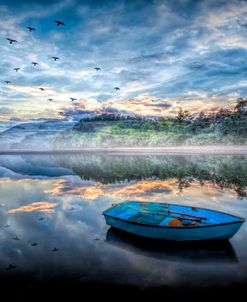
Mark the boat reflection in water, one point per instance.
(199, 251)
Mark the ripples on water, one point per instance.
(52, 226)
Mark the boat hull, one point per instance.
(223, 231)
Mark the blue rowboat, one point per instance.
(171, 222)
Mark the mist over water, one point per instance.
(56, 201)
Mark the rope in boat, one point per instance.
(196, 218)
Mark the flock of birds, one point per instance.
(17, 69)
(33, 244)
(7, 82)
(12, 266)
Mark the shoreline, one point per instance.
(227, 150)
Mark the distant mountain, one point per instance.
(28, 166)
(6, 125)
(32, 134)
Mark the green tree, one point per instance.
(182, 115)
(241, 104)
(84, 127)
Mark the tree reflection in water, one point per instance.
(222, 171)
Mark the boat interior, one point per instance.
(159, 214)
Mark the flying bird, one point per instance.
(34, 244)
(7, 226)
(59, 23)
(73, 99)
(116, 88)
(16, 69)
(55, 58)
(16, 238)
(55, 249)
(41, 218)
(51, 100)
(11, 41)
(35, 63)
(97, 68)
(11, 266)
(7, 82)
(31, 28)
(42, 89)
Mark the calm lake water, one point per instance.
(52, 227)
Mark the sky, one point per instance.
(161, 54)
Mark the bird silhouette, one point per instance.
(97, 68)
(73, 99)
(11, 266)
(7, 225)
(30, 28)
(35, 63)
(7, 82)
(16, 69)
(34, 244)
(51, 100)
(11, 41)
(116, 88)
(42, 89)
(55, 58)
(59, 23)
(41, 218)
(55, 249)
(16, 238)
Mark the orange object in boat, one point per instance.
(174, 222)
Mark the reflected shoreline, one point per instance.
(223, 171)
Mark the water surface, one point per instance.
(52, 228)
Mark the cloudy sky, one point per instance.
(161, 54)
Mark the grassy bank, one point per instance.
(225, 127)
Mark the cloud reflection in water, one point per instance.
(71, 207)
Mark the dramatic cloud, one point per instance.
(161, 54)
